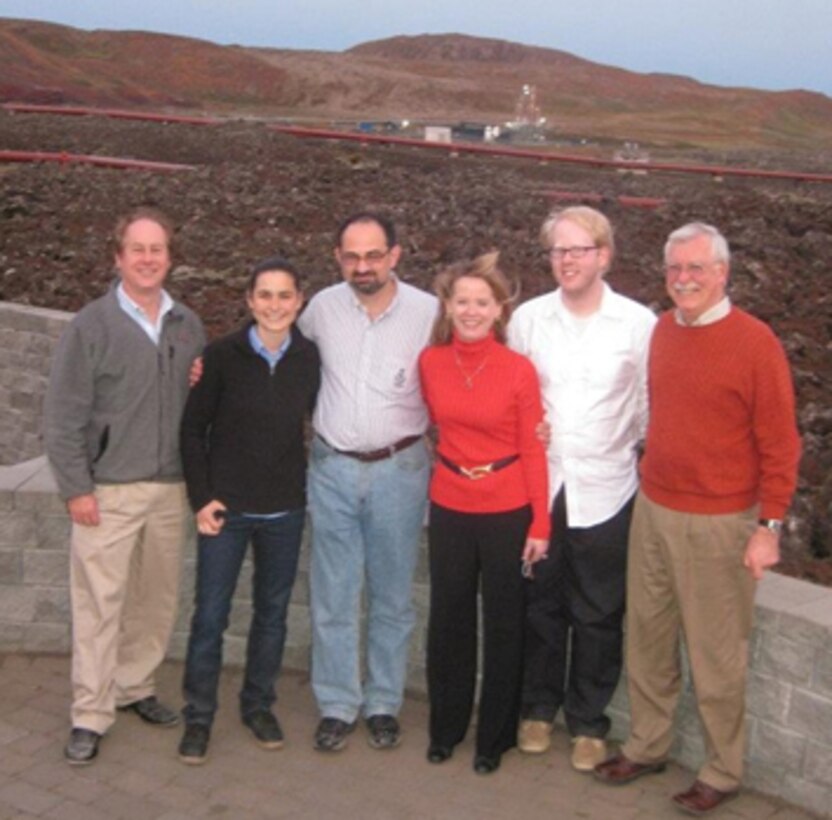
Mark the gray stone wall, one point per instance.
(34, 579)
(789, 713)
(789, 697)
(27, 340)
(790, 683)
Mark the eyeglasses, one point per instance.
(372, 258)
(576, 251)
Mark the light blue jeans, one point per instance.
(366, 523)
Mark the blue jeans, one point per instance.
(366, 523)
(276, 545)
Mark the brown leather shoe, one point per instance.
(701, 798)
(619, 770)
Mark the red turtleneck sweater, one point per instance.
(485, 401)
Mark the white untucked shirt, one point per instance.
(593, 377)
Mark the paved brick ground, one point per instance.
(138, 776)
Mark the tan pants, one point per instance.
(685, 575)
(124, 581)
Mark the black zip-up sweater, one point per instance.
(242, 431)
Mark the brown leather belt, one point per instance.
(482, 470)
(368, 456)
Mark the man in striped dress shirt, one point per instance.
(368, 477)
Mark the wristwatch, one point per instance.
(773, 525)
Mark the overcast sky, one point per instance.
(769, 44)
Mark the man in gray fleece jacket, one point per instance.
(116, 394)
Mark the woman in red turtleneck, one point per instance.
(489, 509)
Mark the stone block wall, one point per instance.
(789, 690)
(790, 693)
(27, 341)
(789, 697)
(789, 712)
(34, 565)
(34, 582)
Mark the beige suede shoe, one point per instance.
(588, 752)
(534, 736)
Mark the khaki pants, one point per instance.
(685, 575)
(124, 581)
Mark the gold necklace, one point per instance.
(469, 377)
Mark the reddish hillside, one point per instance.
(40, 61)
(429, 77)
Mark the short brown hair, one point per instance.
(482, 267)
(142, 212)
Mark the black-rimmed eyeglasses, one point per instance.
(575, 252)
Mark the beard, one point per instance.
(367, 286)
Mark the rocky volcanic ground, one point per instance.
(256, 193)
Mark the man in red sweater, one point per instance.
(717, 477)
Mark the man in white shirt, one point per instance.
(368, 478)
(589, 345)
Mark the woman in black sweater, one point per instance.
(245, 467)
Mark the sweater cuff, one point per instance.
(773, 510)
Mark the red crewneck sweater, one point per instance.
(493, 419)
(722, 433)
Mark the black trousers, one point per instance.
(470, 552)
(576, 597)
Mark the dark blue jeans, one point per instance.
(276, 544)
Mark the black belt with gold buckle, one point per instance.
(368, 456)
(475, 473)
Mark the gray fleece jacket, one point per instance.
(115, 399)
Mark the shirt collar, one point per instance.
(138, 315)
(609, 307)
(713, 314)
(261, 350)
(165, 306)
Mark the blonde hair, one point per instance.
(593, 222)
(483, 267)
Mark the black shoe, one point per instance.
(486, 765)
(193, 748)
(82, 747)
(331, 734)
(384, 732)
(265, 728)
(438, 753)
(152, 711)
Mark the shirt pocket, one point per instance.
(395, 376)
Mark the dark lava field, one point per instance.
(255, 192)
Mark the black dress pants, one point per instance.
(471, 551)
(575, 609)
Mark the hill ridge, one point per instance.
(432, 77)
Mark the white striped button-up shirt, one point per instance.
(370, 395)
